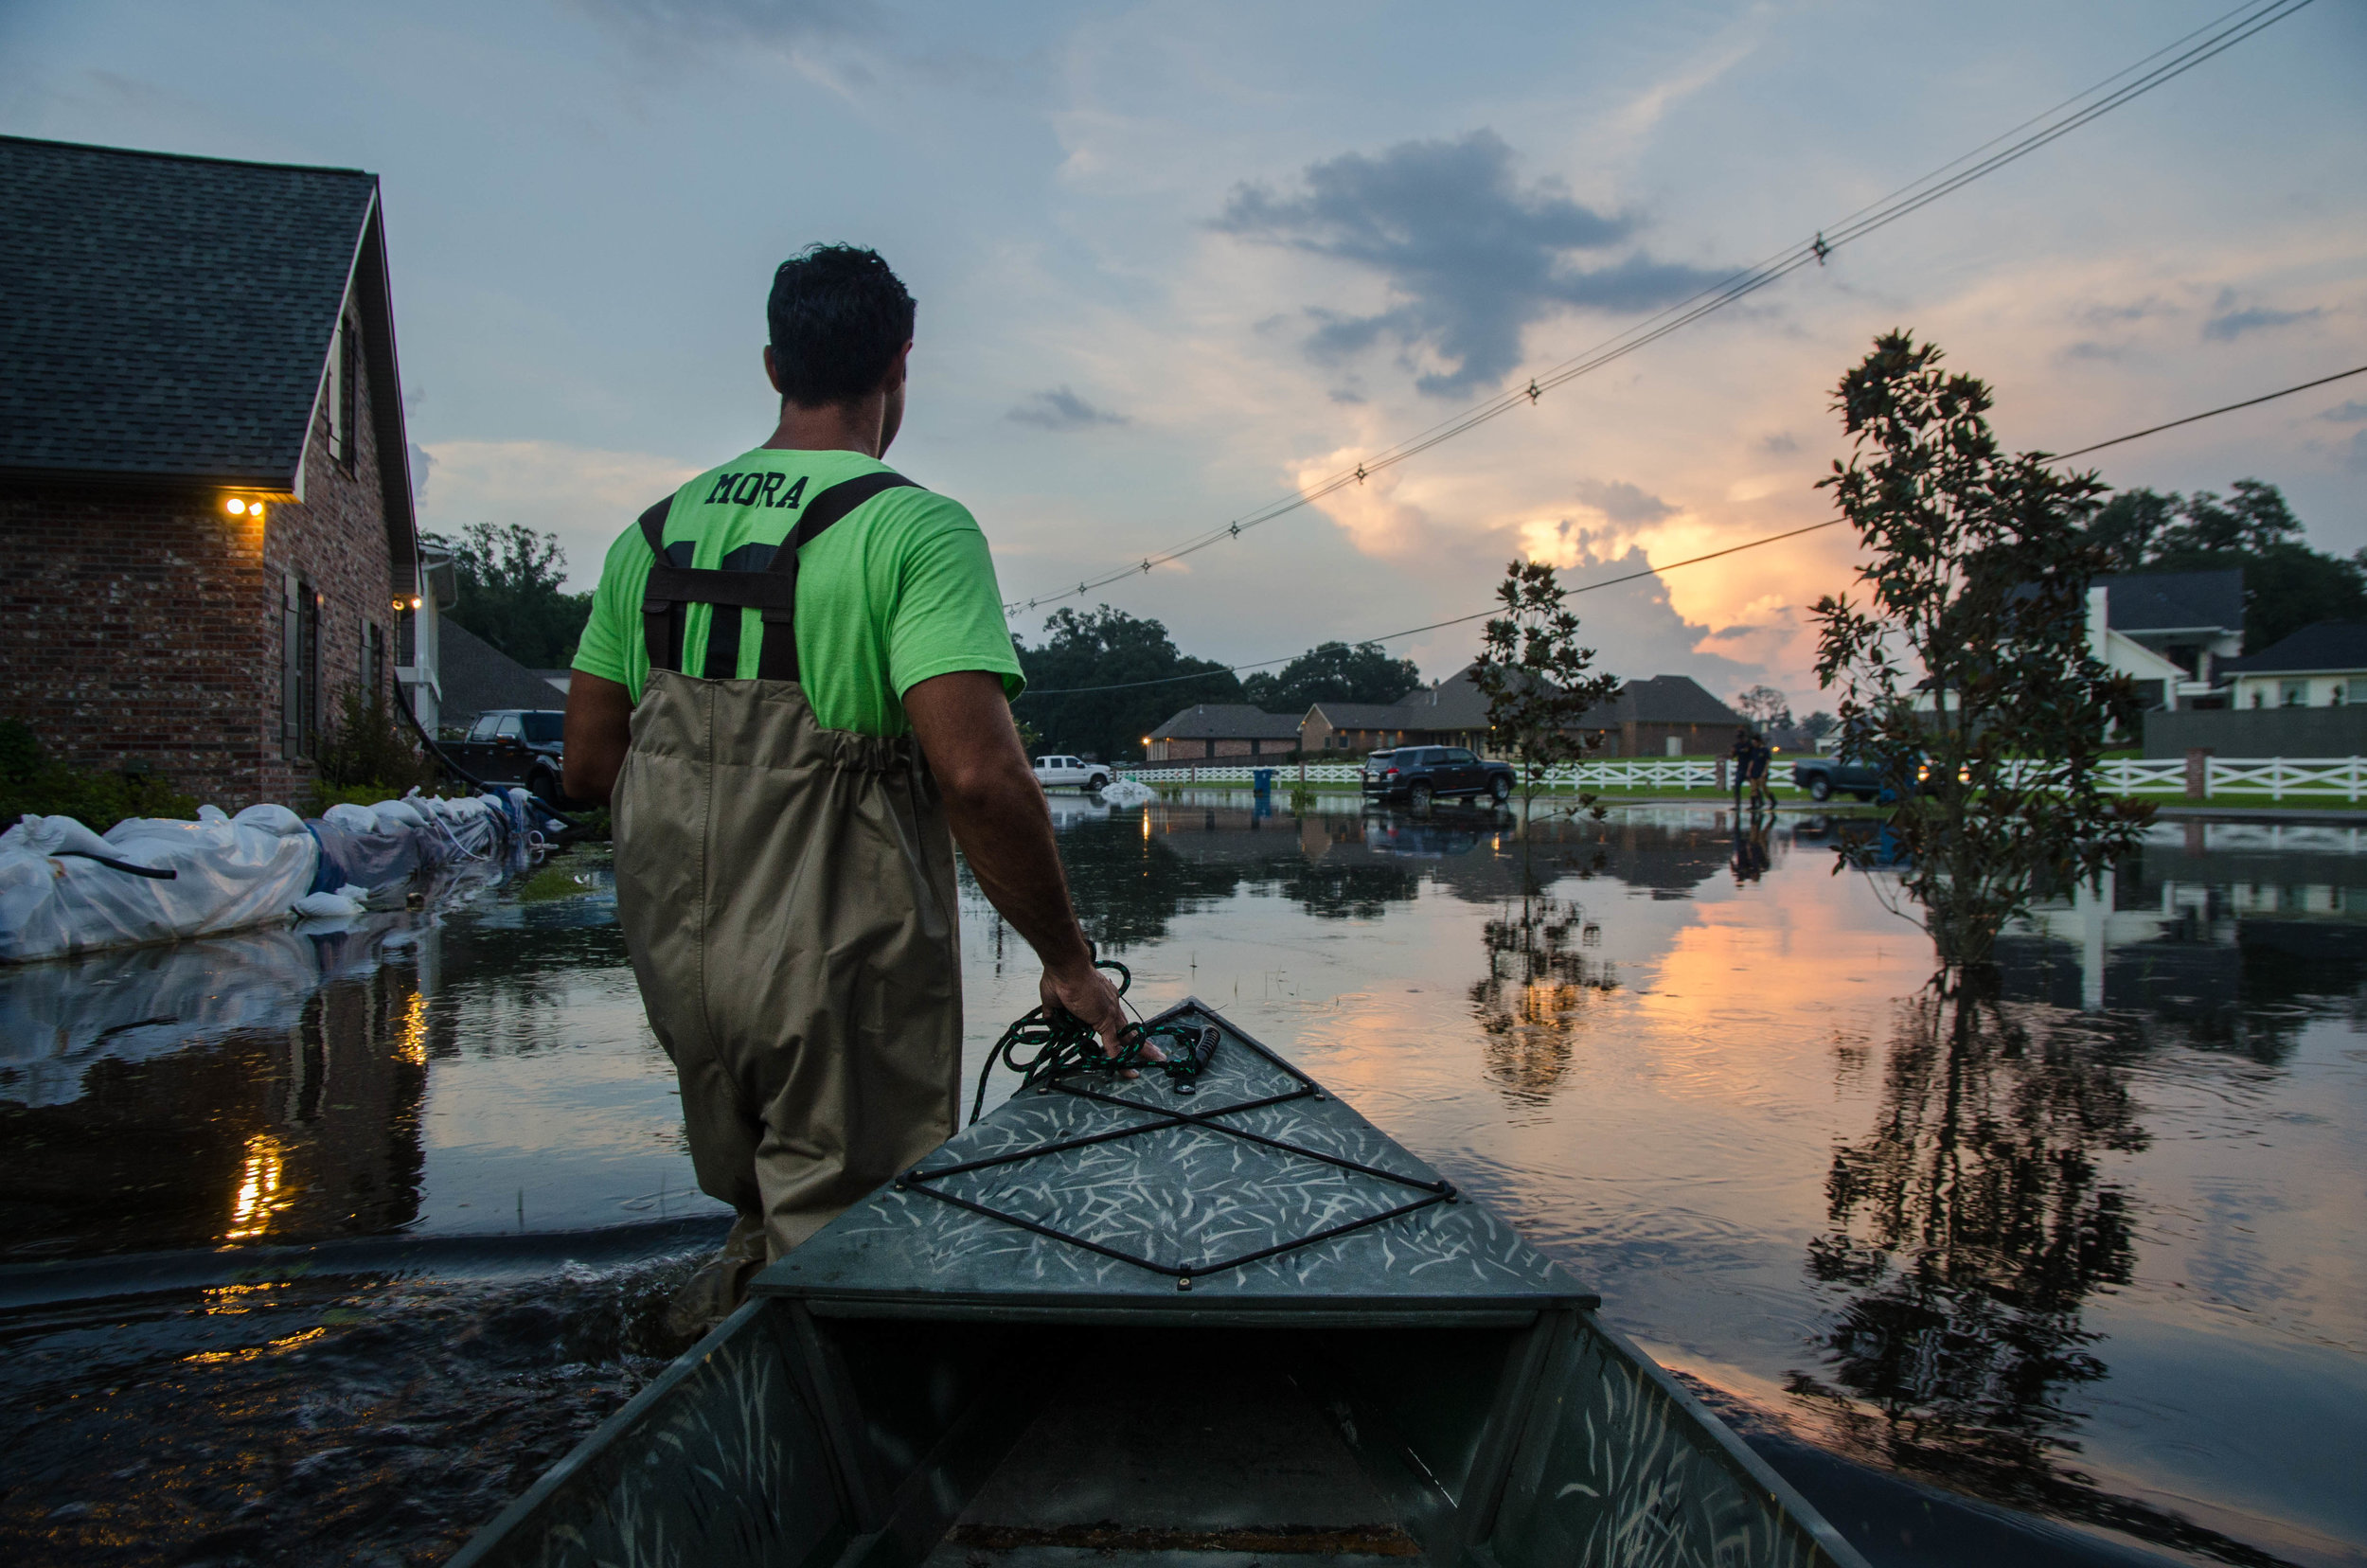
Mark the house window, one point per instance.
(2292, 694)
(373, 659)
(344, 378)
(299, 668)
(1211, 750)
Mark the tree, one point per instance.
(2286, 584)
(508, 580)
(1536, 679)
(1104, 648)
(1333, 673)
(1766, 708)
(1817, 725)
(1967, 672)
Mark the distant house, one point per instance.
(1661, 716)
(478, 676)
(205, 512)
(1658, 717)
(1221, 729)
(2321, 666)
(2172, 632)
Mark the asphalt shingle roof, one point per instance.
(2326, 646)
(167, 315)
(2167, 601)
(1661, 699)
(476, 676)
(1228, 721)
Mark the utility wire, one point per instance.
(1693, 560)
(2247, 403)
(2184, 54)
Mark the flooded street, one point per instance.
(2093, 1247)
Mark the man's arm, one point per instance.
(599, 728)
(999, 818)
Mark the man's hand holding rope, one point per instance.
(1088, 995)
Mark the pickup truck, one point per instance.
(1849, 774)
(1421, 774)
(1071, 769)
(509, 746)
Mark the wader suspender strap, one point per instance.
(673, 589)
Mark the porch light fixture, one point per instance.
(239, 505)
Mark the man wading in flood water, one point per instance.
(797, 716)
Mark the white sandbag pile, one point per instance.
(1127, 792)
(64, 889)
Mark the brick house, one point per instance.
(1661, 716)
(1222, 729)
(206, 509)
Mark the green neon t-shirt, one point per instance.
(897, 591)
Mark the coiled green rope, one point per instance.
(1063, 1042)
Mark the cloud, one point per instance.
(1062, 409)
(735, 21)
(1470, 258)
(1635, 626)
(2356, 462)
(421, 465)
(584, 495)
(2229, 322)
(1622, 502)
(2349, 413)
(1779, 444)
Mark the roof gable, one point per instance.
(170, 317)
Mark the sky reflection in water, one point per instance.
(2104, 1262)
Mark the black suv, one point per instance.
(1421, 774)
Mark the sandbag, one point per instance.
(1127, 792)
(56, 899)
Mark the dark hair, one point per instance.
(838, 317)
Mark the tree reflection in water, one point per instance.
(1529, 1003)
(1966, 1232)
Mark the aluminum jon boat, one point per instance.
(1113, 1320)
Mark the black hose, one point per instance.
(463, 774)
(151, 872)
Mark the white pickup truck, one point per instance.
(1071, 769)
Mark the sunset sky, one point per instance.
(1175, 259)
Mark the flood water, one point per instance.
(316, 1246)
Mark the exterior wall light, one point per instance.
(415, 602)
(239, 505)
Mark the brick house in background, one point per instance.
(206, 509)
(1222, 729)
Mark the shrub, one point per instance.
(32, 780)
(368, 756)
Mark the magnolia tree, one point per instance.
(1966, 670)
(1537, 679)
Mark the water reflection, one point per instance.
(238, 1090)
(1529, 1001)
(1966, 1234)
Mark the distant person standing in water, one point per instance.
(1762, 755)
(795, 689)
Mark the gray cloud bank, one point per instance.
(1470, 255)
(1062, 409)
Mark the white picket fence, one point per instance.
(2278, 777)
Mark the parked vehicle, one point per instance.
(1867, 778)
(1421, 774)
(509, 746)
(1824, 778)
(1109, 1322)
(1071, 769)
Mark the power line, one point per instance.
(2186, 53)
(1693, 560)
(2247, 403)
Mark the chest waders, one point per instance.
(787, 896)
